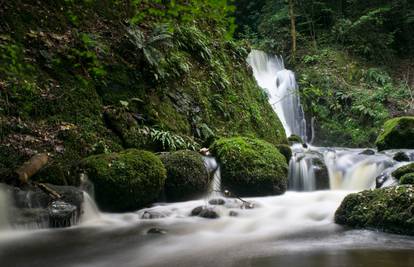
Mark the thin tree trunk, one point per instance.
(292, 27)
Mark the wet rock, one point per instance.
(380, 180)
(321, 174)
(398, 173)
(204, 212)
(148, 214)
(401, 156)
(157, 231)
(294, 139)
(248, 205)
(217, 201)
(368, 152)
(397, 133)
(62, 214)
(233, 213)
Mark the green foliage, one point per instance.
(251, 167)
(169, 140)
(407, 179)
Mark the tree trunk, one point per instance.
(292, 27)
(31, 167)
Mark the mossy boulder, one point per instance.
(397, 133)
(251, 167)
(293, 139)
(187, 176)
(125, 181)
(398, 173)
(407, 179)
(285, 150)
(388, 209)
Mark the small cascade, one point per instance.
(213, 169)
(4, 209)
(90, 209)
(282, 89)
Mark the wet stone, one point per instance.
(62, 214)
(157, 231)
(368, 152)
(204, 212)
(233, 213)
(401, 156)
(148, 215)
(217, 201)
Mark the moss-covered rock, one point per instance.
(187, 176)
(125, 181)
(285, 150)
(407, 179)
(293, 139)
(251, 167)
(397, 133)
(398, 173)
(388, 209)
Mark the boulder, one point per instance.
(205, 212)
(294, 139)
(397, 133)
(401, 156)
(125, 181)
(217, 201)
(251, 167)
(157, 231)
(368, 152)
(389, 209)
(285, 150)
(187, 176)
(398, 173)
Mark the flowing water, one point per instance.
(294, 229)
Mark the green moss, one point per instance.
(285, 150)
(295, 139)
(187, 176)
(397, 133)
(251, 167)
(388, 209)
(407, 179)
(125, 181)
(398, 173)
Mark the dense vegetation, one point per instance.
(353, 59)
(81, 77)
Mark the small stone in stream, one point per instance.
(401, 156)
(147, 215)
(205, 212)
(368, 152)
(158, 231)
(233, 213)
(62, 214)
(248, 205)
(217, 201)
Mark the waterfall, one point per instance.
(213, 169)
(4, 209)
(282, 89)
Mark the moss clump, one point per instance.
(400, 172)
(125, 181)
(295, 139)
(388, 209)
(407, 179)
(187, 176)
(251, 167)
(397, 133)
(285, 150)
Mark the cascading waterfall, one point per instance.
(282, 89)
(4, 214)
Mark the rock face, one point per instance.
(251, 167)
(397, 133)
(187, 176)
(388, 209)
(286, 151)
(398, 173)
(125, 181)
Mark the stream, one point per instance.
(294, 229)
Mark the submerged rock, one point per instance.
(389, 209)
(397, 133)
(150, 214)
(125, 181)
(217, 201)
(401, 156)
(205, 212)
(368, 152)
(187, 177)
(158, 231)
(251, 167)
